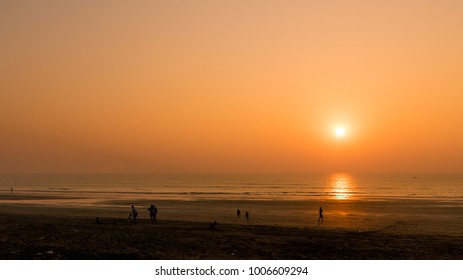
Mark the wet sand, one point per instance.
(399, 216)
(50, 232)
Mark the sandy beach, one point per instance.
(49, 232)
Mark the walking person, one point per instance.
(320, 215)
(134, 214)
(153, 213)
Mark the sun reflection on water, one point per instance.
(340, 186)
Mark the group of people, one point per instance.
(153, 214)
(246, 214)
(154, 211)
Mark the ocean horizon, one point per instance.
(87, 189)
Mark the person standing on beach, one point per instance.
(134, 214)
(11, 191)
(153, 213)
(246, 214)
(238, 213)
(320, 216)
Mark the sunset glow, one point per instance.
(187, 131)
(231, 86)
(340, 132)
(341, 186)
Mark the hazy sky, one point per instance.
(231, 86)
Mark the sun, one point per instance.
(340, 131)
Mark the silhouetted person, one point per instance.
(320, 216)
(11, 191)
(134, 214)
(238, 213)
(153, 213)
(246, 214)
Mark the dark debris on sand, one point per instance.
(46, 237)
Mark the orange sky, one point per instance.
(231, 86)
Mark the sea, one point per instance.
(194, 187)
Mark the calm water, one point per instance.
(339, 186)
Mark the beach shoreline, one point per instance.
(32, 232)
(392, 216)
